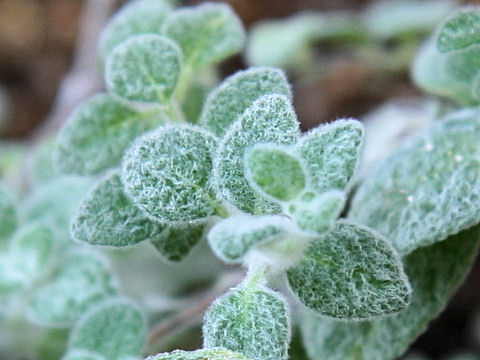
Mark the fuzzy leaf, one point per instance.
(107, 217)
(203, 354)
(144, 68)
(207, 33)
(460, 31)
(176, 241)
(8, 215)
(167, 173)
(55, 202)
(274, 172)
(82, 355)
(331, 153)
(428, 189)
(251, 320)
(232, 238)
(135, 18)
(269, 119)
(98, 133)
(227, 102)
(351, 273)
(80, 281)
(437, 73)
(114, 329)
(317, 214)
(31, 251)
(435, 271)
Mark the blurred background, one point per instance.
(45, 70)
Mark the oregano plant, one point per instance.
(360, 264)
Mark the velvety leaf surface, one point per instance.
(435, 272)
(428, 189)
(231, 238)
(135, 18)
(98, 133)
(108, 217)
(167, 173)
(269, 119)
(114, 329)
(331, 153)
(176, 241)
(144, 68)
(251, 320)
(275, 172)
(227, 102)
(80, 281)
(460, 31)
(207, 33)
(351, 272)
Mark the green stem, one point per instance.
(183, 83)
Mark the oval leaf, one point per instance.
(428, 189)
(144, 68)
(135, 18)
(351, 273)
(251, 320)
(107, 217)
(435, 271)
(331, 153)
(80, 281)
(227, 102)
(167, 173)
(460, 31)
(207, 33)
(176, 241)
(98, 132)
(274, 172)
(232, 238)
(114, 329)
(269, 119)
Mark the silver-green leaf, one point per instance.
(231, 238)
(108, 217)
(435, 272)
(81, 280)
(427, 189)
(176, 241)
(460, 31)
(351, 272)
(98, 132)
(251, 320)
(203, 354)
(269, 119)
(227, 102)
(114, 329)
(331, 154)
(207, 33)
(135, 18)
(167, 173)
(275, 172)
(144, 68)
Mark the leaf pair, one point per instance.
(308, 179)
(112, 330)
(147, 67)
